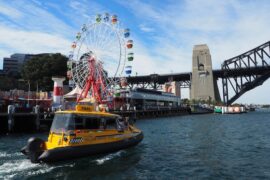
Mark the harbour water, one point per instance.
(209, 146)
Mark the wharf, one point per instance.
(199, 109)
(141, 114)
(38, 122)
(25, 122)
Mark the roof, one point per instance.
(87, 110)
(90, 113)
(74, 93)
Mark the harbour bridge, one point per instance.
(238, 74)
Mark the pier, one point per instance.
(31, 122)
(25, 122)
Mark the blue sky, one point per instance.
(164, 32)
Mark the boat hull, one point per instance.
(71, 152)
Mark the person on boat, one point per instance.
(103, 124)
(126, 122)
(120, 125)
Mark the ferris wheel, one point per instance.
(100, 55)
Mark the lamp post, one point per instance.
(28, 105)
(28, 82)
(37, 93)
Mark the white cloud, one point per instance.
(9, 11)
(143, 11)
(36, 18)
(146, 28)
(31, 28)
(143, 63)
(229, 28)
(21, 41)
(84, 9)
(39, 3)
(38, 29)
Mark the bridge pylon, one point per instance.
(203, 84)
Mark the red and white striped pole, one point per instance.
(58, 90)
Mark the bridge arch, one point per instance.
(245, 72)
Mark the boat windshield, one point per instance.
(62, 123)
(69, 122)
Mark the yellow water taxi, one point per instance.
(83, 132)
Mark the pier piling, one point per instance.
(37, 121)
(11, 110)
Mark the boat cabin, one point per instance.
(73, 121)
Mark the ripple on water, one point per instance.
(186, 147)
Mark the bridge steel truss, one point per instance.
(155, 81)
(245, 72)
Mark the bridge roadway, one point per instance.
(231, 73)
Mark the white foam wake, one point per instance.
(4, 154)
(13, 168)
(109, 157)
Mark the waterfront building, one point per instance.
(145, 99)
(13, 64)
(10, 66)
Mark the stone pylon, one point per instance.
(203, 84)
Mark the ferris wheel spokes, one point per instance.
(100, 55)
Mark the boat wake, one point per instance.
(109, 157)
(24, 168)
(6, 155)
(47, 169)
(14, 168)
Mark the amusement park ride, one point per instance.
(101, 52)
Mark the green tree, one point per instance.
(40, 69)
(7, 83)
(186, 101)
